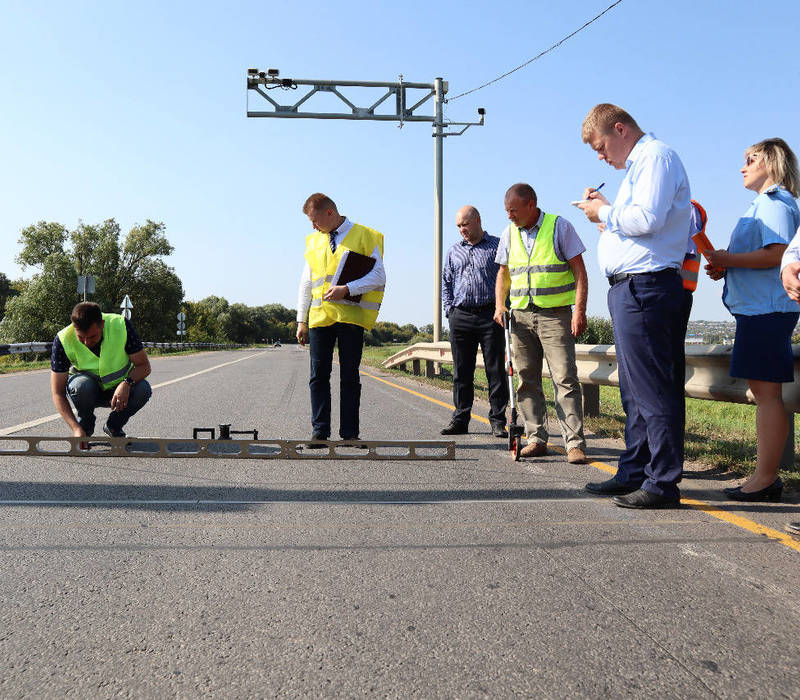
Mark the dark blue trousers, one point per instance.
(648, 313)
(321, 340)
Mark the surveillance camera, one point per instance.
(262, 74)
(252, 71)
(273, 72)
(481, 111)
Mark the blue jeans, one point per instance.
(321, 341)
(86, 395)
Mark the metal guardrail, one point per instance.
(21, 348)
(707, 370)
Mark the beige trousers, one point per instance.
(546, 334)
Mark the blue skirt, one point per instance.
(762, 348)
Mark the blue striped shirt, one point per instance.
(469, 273)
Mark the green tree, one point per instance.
(132, 266)
(7, 290)
(202, 321)
(43, 308)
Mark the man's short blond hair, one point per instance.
(318, 202)
(601, 119)
(780, 162)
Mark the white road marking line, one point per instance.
(39, 421)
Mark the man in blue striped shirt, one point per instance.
(468, 281)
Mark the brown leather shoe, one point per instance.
(533, 449)
(576, 456)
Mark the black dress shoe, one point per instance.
(773, 492)
(455, 428)
(610, 487)
(645, 499)
(317, 445)
(499, 430)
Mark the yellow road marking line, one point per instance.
(714, 511)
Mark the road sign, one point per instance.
(126, 313)
(126, 303)
(85, 285)
(181, 326)
(181, 316)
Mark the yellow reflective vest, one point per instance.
(324, 264)
(113, 365)
(539, 277)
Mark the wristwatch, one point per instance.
(129, 381)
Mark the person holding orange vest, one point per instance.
(691, 261)
(98, 360)
(329, 314)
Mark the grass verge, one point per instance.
(720, 437)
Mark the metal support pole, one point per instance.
(437, 208)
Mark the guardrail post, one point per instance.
(415, 364)
(402, 367)
(430, 370)
(787, 458)
(591, 400)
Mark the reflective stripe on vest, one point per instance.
(690, 271)
(691, 262)
(113, 365)
(540, 275)
(324, 264)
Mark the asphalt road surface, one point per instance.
(473, 577)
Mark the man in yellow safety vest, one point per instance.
(541, 265)
(98, 360)
(341, 290)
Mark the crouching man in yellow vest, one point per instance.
(329, 314)
(541, 263)
(98, 360)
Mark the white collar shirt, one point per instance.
(647, 226)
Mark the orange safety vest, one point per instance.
(690, 269)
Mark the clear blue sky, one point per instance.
(137, 110)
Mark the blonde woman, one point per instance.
(765, 315)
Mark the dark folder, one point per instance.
(353, 266)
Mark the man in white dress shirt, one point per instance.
(329, 314)
(641, 250)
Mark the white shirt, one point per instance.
(792, 253)
(375, 278)
(647, 224)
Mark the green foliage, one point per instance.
(131, 265)
(599, 331)
(7, 291)
(43, 308)
(214, 320)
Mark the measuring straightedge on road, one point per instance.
(36, 445)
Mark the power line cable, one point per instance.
(546, 51)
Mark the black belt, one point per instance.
(476, 309)
(622, 276)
